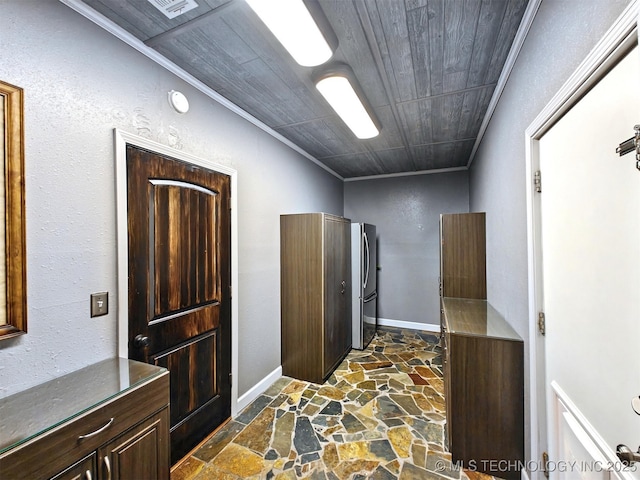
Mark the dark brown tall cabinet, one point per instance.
(483, 357)
(315, 263)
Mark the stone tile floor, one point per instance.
(380, 416)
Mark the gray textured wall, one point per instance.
(406, 212)
(80, 83)
(562, 34)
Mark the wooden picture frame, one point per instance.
(13, 278)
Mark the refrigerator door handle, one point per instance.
(366, 262)
(373, 296)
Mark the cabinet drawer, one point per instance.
(51, 453)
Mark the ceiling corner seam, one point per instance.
(521, 35)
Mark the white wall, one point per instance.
(562, 34)
(406, 212)
(80, 83)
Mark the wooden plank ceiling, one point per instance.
(428, 67)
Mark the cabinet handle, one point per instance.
(107, 466)
(87, 475)
(101, 429)
(344, 286)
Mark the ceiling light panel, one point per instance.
(339, 91)
(295, 28)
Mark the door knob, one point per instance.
(141, 341)
(626, 456)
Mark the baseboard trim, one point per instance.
(429, 327)
(255, 391)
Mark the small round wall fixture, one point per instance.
(178, 101)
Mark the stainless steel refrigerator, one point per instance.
(364, 284)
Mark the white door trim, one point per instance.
(121, 139)
(619, 39)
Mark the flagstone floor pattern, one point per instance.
(380, 416)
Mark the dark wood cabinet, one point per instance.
(132, 455)
(106, 421)
(484, 388)
(483, 357)
(315, 262)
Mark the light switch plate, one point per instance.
(99, 304)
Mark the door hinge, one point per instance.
(537, 181)
(545, 464)
(541, 323)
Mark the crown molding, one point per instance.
(120, 33)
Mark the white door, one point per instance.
(590, 229)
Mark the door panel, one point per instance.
(182, 251)
(337, 335)
(179, 287)
(136, 453)
(591, 266)
(462, 255)
(194, 364)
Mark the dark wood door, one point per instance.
(179, 231)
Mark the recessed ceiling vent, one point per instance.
(173, 8)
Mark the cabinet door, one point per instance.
(346, 330)
(142, 452)
(301, 290)
(84, 469)
(337, 320)
(462, 255)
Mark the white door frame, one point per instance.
(622, 35)
(121, 139)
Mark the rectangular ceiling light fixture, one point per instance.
(300, 27)
(339, 87)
